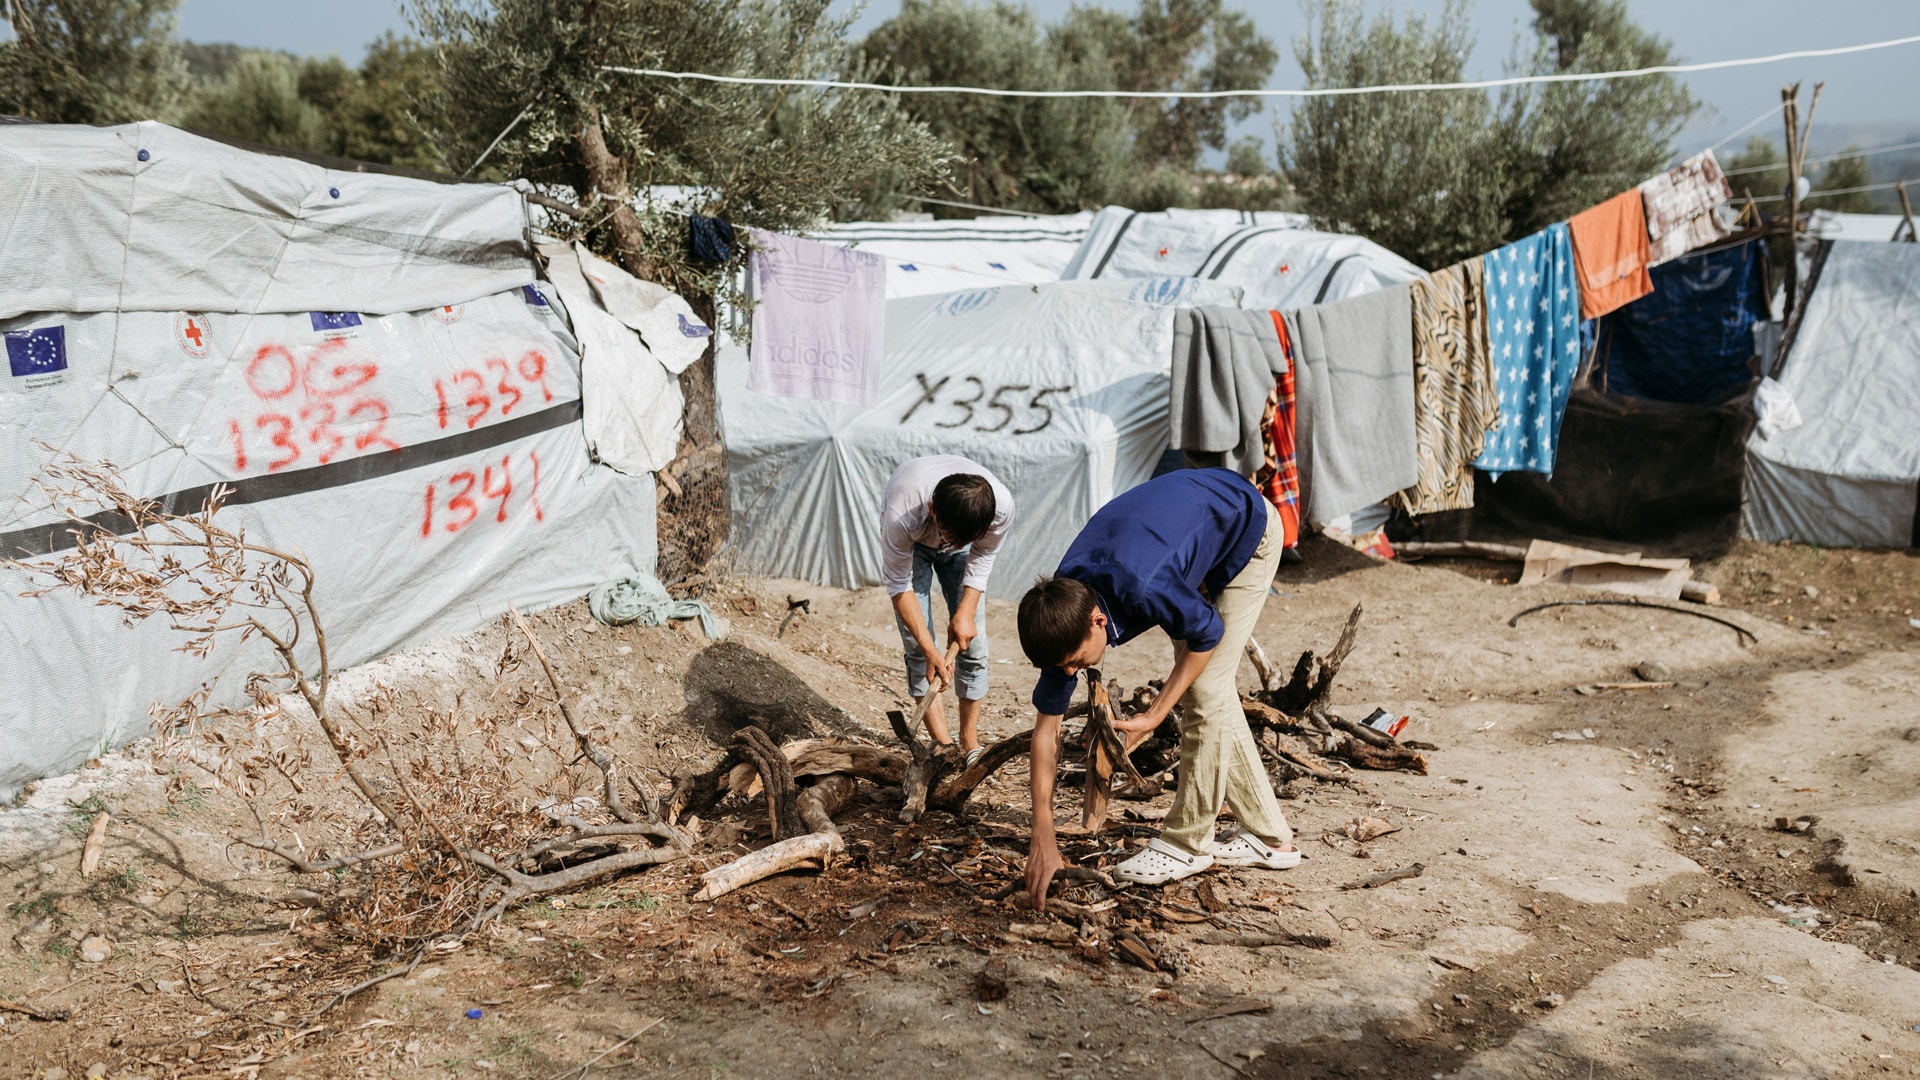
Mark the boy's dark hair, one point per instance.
(1054, 617)
(963, 505)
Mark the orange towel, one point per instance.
(1610, 251)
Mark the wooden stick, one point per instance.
(776, 777)
(49, 1013)
(1261, 941)
(1471, 549)
(1263, 667)
(810, 851)
(1378, 880)
(1906, 213)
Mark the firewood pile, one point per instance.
(807, 782)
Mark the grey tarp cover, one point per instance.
(1060, 390)
(1847, 477)
(1224, 364)
(431, 464)
(925, 257)
(89, 225)
(1353, 388)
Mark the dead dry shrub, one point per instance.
(413, 823)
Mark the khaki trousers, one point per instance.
(1219, 762)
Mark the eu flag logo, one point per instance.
(37, 352)
(333, 320)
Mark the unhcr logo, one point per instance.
(1160, 292)
(965, 303)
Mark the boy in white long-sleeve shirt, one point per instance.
(943, 517)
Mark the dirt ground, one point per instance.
(1605, 892)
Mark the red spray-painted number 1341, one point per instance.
(466, 491)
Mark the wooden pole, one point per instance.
(1789, 108)
(1906, 212)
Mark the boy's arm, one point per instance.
(907, 606)
(962, 630)
(1188, 663)
(1043, 850)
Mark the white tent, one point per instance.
(927, 257)
(1273, 259)
(1060, 390)
(367, 361)
(1848, 475)
(1834, 225)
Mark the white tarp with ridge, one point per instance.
(408, 417)
(1060, 390)
(1848, 476)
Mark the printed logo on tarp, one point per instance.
(41, 351)
(534, 296)
(449, 313)
(1160, 292)
(965, 303)
(335, 323)
(193, 333)
(692, 329)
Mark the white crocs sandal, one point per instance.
(1160, 863)
(1245, 849)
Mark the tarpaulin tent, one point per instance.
(927, 257)
(1848, 475)
(1691, 339)
(1060, 390)
(367, 361)
(1273, 258)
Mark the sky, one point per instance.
(1868, 96)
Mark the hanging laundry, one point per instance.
(1679, 205)
(1279, 475)
(1224, 363)
(1533, 328)
(1354, 373)
(1692, 340)
(1454, 398)
(1610, 251)
(818, 320)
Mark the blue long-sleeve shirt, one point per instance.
(1155, 554)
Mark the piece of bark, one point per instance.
(1390, 876)
(1383, 759)
(96, 840)
(776, 778)
(817, 803)
(991, 983)
(809, 851)
(1263, 667)
(1238, 1008)
(51, 1012)
(1209, 897)
(1364, 829)
(1467, 549)
(1050, 931)
(1261, 941)
(1700, 592)
(1098, 789)
(1135, 951)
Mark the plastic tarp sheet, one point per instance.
(1690, 340)
(928, 257)
(1834, 225)
(1274, 259)
(1061, 390)
(1848, 475)
(145, 217)
(429, 464)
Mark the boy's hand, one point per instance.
(1043, 861)
(961, 631)
(939, 672)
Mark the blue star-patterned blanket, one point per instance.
(1533, 325)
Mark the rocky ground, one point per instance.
(1606, 888)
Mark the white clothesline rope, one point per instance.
(1868, 152)
(1327, 91)
(1817, 192)
(1746, 127)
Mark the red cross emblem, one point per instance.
(1163, 253)
(193, 333)
(448, 313)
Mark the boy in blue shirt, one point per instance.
(1194, 553)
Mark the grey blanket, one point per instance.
(1353, 395)
(1224, 363)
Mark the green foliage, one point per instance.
(1045, 155)
(1420, 173)
(1061, 155)
(260, 100)
(1248, 157)
(1443, 176)
(384, 116)
(1573, 145)
(1176, 45)
(532, 73)
(92, 61)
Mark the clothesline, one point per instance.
(1841, 191)
(1308, 92)
(1868, 152)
